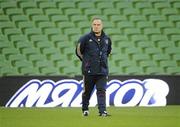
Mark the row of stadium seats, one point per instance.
(39, 37)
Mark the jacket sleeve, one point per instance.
(80, 48)
(109, 46)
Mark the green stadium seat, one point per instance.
(154, 70)
(142, 4)
(29, 51)
(72, 31)
(48, 51)
(46, 4)
(35, 57)
(33, 11)
(92, 12)
(175, 38)
(167, 63)
(110, 11)
(118, 18)
(164, 44)
(173, 70)
(177, 57)
(72, 11)
(123, 4)
(134, 70)
(26, 4)
(65, 4)
(108, 24)
(45, 24)
(144, 24)
(52, 11)
(58, 38)
(160, 57)
(144, 44)
(112, 31)
(131, 11)
(176, 4)
(85, 5)
(25, 24)
(164, 24)
(22, 63)
(137, 18)
(161, 5)
(158, 37)
(132, 31)
(16, 57)
(11, 31)
(43, 64)
(139, 37)
(172, 50)
(29, 71)
(138, 57)
(51, 31)
(169, 11)
(32, 31)
(5, 44)
(58, 18)
(174, 18)
(171, 31)
(50, 70)
(4, 18)
(8, 71)
(8, 4)
(78, 18)
(9, 50)
(13, 11)
(83, 26)
(152, 50)
(150, 11)
(65, 24)
(152, 31)
(157, 18)
(104, 5)
(37, 37)
(125, 24)
(39, 18)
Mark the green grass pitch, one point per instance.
(168, 116)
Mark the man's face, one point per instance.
(97, 26)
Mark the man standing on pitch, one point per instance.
(93, 50)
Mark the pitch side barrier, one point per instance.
(121, 91)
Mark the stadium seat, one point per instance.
(85, 5)
(134, 70)
(26, 4)
(72, 11)
(168, 63)
(52, 11)
(118, 18)
(46, 4)
(154, 70)
(65, 4)
(131, 11)
(150, 11)
(110, 11)
(33, 11)
(104, 4)
(173, 70)
(92, 12)
(169, 11)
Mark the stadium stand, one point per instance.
(38, 37)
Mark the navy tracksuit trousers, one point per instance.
(89, 82)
